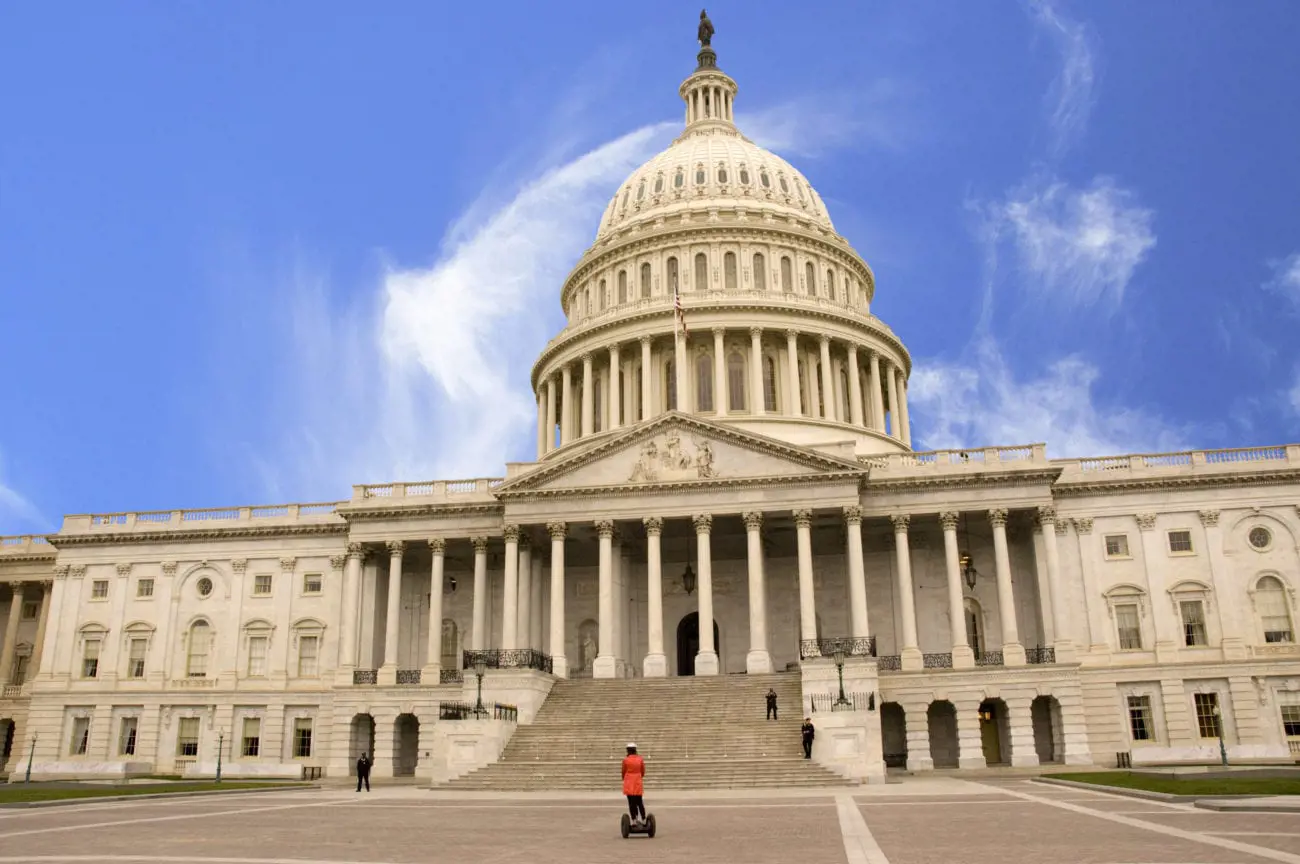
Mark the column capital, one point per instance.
(288, 563)
(613, 348)
(355, 550)
(1146, 521)
(557, 530)
(802, 518)
(654, 525)
(511, 532)
(61, 571)
(753, 520)
(851, 347)
(438, 545)
(792, 334)
(949, 520)
(901, 521)
(605, 528)
(998, 517)
(124, 569)
(853, 514)
(168, 568)
(1046, 516)
(525, 540)
(79, 571)
(756, 332)
(395, 547)
(337, 562)
(824, 338)
(719, 332)
(646, 340)
(1083, 524)
(1062, 527)
(1209, 518)
(480, 545)
(703, 523)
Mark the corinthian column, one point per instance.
(510, 592)
(1013, 653)
(792, 374)
(904, 425)
(720, 401)
(910, 654)
(759, 660)
(895, 414)
(588, 403)
(1064, 645)
(550, 414)
(807, 598)
(541, 422)
(877, 399)
(857, 574)
(388, 672)
(756, 371)
(855, 386)
(523, 608)
(706, 661)
(606, 665)
(828, 389)
(566, 405)
(656, 662)
(615, 389)
(963, 657)
(559, 662)
(479, 636)
(432, 671)
(646, 379)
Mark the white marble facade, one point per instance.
(1004, 607)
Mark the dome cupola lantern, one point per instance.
(709, 93)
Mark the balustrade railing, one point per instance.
(206, 517)
(365, 676)
(937, 661)
(849, 646)
(440, 489)
(1040, 655)
(988, 658)
(501, 658)
(450, 676)
(475, 711)
(889, 663)
(827, 702)
(408, 676)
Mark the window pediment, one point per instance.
(1190, 589)
(1118, 595)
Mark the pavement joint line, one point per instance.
(860, 846)
(1255, 833)
(179, 859)
(1167, 830)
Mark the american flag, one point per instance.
(680, 312)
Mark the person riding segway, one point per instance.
(635, 821)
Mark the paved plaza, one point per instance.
(919, 821)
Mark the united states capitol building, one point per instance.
(722, 437)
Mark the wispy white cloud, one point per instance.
(1076, 247)
(984, 402)
(1286, 279)
(16, 509)
(1293, 395)
(1070, 98)
(870, 116)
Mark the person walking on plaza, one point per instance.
(363, 772)
(771, 704)
(808, 734)
(633, 784)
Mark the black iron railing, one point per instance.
(937, 661)
(365, 676)
(408, 676)
(500, 658)
(988, 658)
(472, 711)
(848, 645)
(825, 702)
(889, 663)
(450, 676)
(1040, 655)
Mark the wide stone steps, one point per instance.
(670, 774)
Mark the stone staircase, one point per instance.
(695, 733)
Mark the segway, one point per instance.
(647, 827)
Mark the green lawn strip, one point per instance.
(21, 793)
(1186, 786)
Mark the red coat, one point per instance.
(633, 774)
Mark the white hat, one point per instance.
(631, 746)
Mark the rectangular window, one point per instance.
(302, 738)
(1291, 720)
(90, 659)
(187, 737)
(80, 736)
(20, 669)
(1130, 627)
(308, 652)
(251, 745)
(1139, 718)
(1208, 722)
(1193, 612)
(31, 609)
(1117, 546)
(135, 658)
(1180, 542)
(126, 737)
(257, 656)
(311, 583)
(144, 588)
(262, 584)
(99, 589)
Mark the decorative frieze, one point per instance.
(1146, 521)
(1209, 518)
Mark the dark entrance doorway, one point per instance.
(688, 642)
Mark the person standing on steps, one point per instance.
(633, 784)
(363, 772)
(808, 734)
(771, 704)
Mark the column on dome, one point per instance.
(891, 384)
(541, 422)
(559, 660)
(1013, 653)
(351, 610)
(759, 659)
(523, 607)
(479, 634)
(720, 401)
(706, 661)
(432, 671)
(510, 591)
(807, 596)
(855, 386)
(388, 671)
(606, 665)
(1064, 645)
(756, 406)
(656, 662)
(828, 388)
(963, 656)
(904, 427)
(646, 379)
(857, 574)
(792, 374)
(566, 405)
(910, 653)
(877, 396)
(550, 413)
(588, 404)
(615, 389)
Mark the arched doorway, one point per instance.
(361, 739)
(406, 737)
(893, 734)
(994, 733)
(941, 722)
(1046, 714)
(688, 642)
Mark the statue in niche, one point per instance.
(704, 459)
(705, 32)
(588, 651)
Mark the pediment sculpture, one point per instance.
(665, 458)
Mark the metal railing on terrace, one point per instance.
(208, 517)
(432, 490)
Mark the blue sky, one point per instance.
(255, 252)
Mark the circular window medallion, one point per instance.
(1260, 537)
(205, 586)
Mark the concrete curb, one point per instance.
(1279, 804)
(147, 796)
(1143, 793)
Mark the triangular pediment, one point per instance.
(675, 449)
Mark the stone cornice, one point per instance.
(120, 538)
(417, 510)
(1124, 486)
(1044, 477)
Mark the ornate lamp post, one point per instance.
(688, 575)
(839, 667)
(1223, 750)
(480, 668)
(221, 745)
(30, 757)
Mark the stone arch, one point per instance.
(688, 641)
(361, 739)
(198, 571)
(197, 642)
(1237, 531)
(975, 620)
(1273, 606)
(941, 725)
(1045, 715)
(406, 744)
(995, 730)
(893, 734)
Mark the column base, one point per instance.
(655, 666)
(971, 761)
(706, 663)
(387, 676)
(1023, 760)
(758, 662)
(431, 675)
(604, 667)
(1013, 654)
(559, 666)
(963, 657)
(911, 659)
(1065, 651)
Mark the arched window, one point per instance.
(830, 284)
(701, 272)
(679, 180)
(760, 272)
(722, 174)
(659, 184)
(744, 176)
(787, 274)
(640, 190)
(586, 301)
(821, 397)
(974, 625)
(785, 187)
(645, 281)
(729, 270)
(769, 384)
(844, 396)
(602, 298)
(704, 383)
(810, 275)
(1274, 610)
(700, 176)
(764, 179)
(626, 192)
(735, 381)
(622, 286)
(672, 275)
(197, 649)
(597, 401)
(450, 644)
(670, 386)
